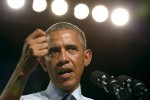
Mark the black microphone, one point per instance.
(110, 84)
(135, 87)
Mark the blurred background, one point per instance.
(119, 47)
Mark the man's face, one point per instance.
(66, 59)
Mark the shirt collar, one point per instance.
(56, 93)
(77, 93)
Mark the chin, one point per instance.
(69, 86)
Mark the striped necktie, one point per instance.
(65, 97)
(68, 97)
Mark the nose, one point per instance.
(63, 58)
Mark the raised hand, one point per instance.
(35, 47)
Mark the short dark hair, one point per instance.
(66, 25)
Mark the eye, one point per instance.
(53, 51)
(71, 48)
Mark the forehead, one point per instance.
(64, 33)
(65, 36)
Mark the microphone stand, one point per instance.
(114, 87)
(111, 85)
(140, 90)
(134, 87)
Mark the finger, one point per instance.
(41, 46)
(34, 49)
(39, 40)
(37, 33)
(41, 53)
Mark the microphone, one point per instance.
(110, 84)
(134, 86)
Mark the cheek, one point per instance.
(50, 63)
(79, 64)
(51, 71)
(50, 67)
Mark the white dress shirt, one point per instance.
(54, 93)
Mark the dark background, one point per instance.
(116, 50)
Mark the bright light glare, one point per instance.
(120, 16)
(81, 11)
(100, 13)
(59, 7)
(16, 4)
(39, 5)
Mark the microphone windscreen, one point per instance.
(95, 76)
(123, 78)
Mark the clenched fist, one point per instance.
(35, 48)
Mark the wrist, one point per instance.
(27, 64)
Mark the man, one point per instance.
(62, 52)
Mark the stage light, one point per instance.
(81, 11)
(39, 5)
(59, 7)
(100, 13)
(120, 16)
(16, 4)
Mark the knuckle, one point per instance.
(38, 30)
(46, 45)
(44, 38)
(46, 51)
(28, 41)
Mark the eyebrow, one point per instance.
(71, 46)
(66, 47)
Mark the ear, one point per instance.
(87, 57)
(42, 63)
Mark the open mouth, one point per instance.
(64, 71)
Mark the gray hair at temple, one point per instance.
(66, 25)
